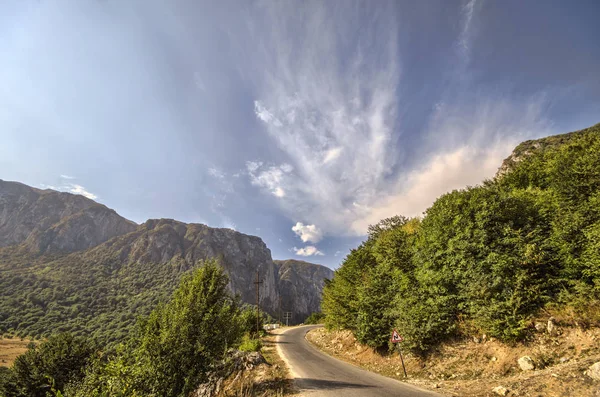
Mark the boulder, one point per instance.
(594, 371)
(500, 390)
(526, 363)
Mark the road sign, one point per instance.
(396, 338)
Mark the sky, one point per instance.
(299, 122)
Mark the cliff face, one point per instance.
(50, 221)
(179, 246)
(300, 287)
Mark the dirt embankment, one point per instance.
(260, 375)
(475, 367)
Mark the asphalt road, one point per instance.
(317, 374)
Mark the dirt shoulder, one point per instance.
(265, 379)
(475, 367)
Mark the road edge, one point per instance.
(282, 355)
(440, 392)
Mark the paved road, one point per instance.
(317, 374)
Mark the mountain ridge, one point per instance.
(76, 265)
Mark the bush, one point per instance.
(315, 318)
(250, 344)
(50, 366)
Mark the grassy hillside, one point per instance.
(485, 259)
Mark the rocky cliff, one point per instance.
(300, 287)
(180, 246)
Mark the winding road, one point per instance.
(317, 374)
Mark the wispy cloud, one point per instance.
(309, 250)
(339, 125)
(266, 116)
(335, 124)
(307, 233)
(216, 173)
(63, 176)
(466, 33)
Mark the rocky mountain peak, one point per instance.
(51, 221)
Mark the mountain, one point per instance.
(68, 263)
(300, 287)
(51, 221)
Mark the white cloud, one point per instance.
(309, 250)
(270, 178)
(332, 154)
(308, 232)
(265, 115)
(67, 176)
(71, 188)
(78, 189)
(216, 173)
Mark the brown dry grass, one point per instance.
(467, 368)
(11, 349)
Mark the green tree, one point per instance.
(177, 344)
(51, 365)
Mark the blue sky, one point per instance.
(299, 122)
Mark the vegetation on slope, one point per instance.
(484, 259)
(170, 354)
(99, 293)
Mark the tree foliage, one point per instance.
(482, 259)
(50, 366)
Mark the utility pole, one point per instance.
(279, 309)
(287, 316)
(257, 283)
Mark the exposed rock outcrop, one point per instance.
(180, 245)
(300, 286)
(528, 148)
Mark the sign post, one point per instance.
(396, 338)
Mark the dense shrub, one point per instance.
(482, 259)
(50, 366)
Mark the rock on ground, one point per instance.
(500, 390)
(526, 363)
(594, 371)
